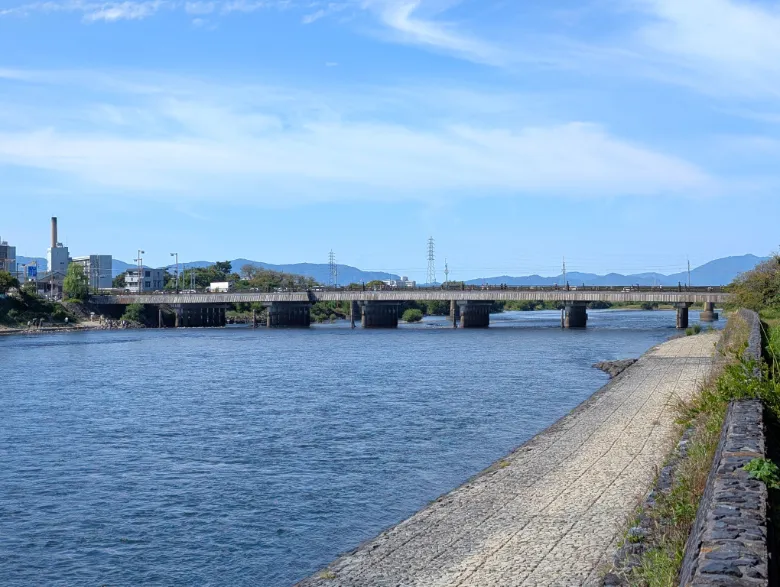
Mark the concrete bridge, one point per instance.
(469, 307)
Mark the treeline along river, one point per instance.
(254, 457)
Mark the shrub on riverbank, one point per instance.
(759, 289)
(17, 309)
(135, 313)
(412, 316)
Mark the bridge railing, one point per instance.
(443, 287)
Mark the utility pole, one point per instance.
(333, 270)
(689, 274)
(431, 261)
(177, 270)
(140, 262)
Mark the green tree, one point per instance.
(223, 267)
(76, 285)
(135, 313)
(375, 283)
(7, 281)
(412, 315)
(759, 288)
(119, 281)
(249, 272)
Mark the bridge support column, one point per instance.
(576, 315)
(454, 313)
(191, 317)
(682, 316)
(474, 314)
(380, 314)
(709, 314)
(354, 313)
(289, 314)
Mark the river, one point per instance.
(254, 457)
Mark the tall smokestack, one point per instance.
(53, 232)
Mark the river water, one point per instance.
(254, 457)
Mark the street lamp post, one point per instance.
(177, 270)
(140, 262)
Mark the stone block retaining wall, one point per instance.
(728, 544)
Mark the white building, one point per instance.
(219, 287)
(400, 283)
(98, 269)
(151, 280)
(7, 257)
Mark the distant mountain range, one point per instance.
(718, 272)
(320, 272)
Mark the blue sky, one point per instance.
(627, 135)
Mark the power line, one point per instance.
(431, 261)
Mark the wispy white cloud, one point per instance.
(110, 11)
(124, 11)
(93, 11)
(326, 10)
(200, 7)
(727, 47)
(408, 23)
(200, 140)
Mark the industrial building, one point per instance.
(57, 256)
(151, 280)
(98, 269)
(7, 257)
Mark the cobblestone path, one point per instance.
(551, 512)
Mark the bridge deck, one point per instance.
(662, 297)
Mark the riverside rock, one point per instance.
(615, 368)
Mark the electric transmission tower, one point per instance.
(446, 271)
(431, 261)
(333, 270)
(564, 272)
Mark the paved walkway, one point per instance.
(552, 512)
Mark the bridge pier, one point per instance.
(576, 315)
(199, 316)
(709, 314)
(289, 314)
(354, 313)
(474, 314)
(454, 313)
(682, 315)
(380, 314)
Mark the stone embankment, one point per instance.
(551, 513)
(728, 544)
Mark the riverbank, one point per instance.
(551, 512)
(80, 327)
